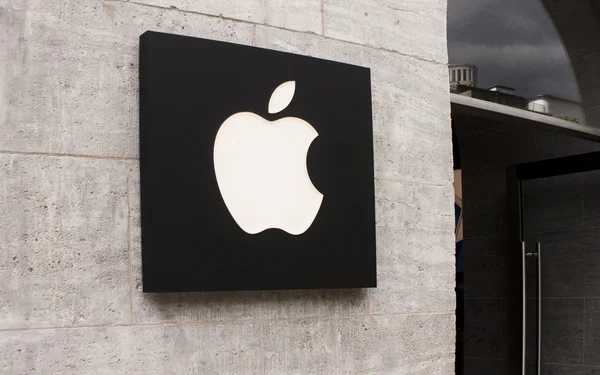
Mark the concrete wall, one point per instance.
(70, 295)
(561, 212)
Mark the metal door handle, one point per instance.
(539, 308)
(538, 257)
(524, 309)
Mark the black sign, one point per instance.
(256, 169)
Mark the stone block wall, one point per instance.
(70, 254)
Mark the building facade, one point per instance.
(496, 94)
(71, 295)
(462, 74)
(70, 264)
(559, 107)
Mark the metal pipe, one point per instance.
(539, 309)
(524, 291)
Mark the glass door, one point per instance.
(559, 232)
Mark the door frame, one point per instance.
(515, 176)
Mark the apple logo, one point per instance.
(261, 168)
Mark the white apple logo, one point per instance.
(261, 168)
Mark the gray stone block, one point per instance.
(63, 235)
(485, 329)
(562, 331)
(554, 369)
(490, 152)
(415, 249)
(245, 10)
(304, 347)
(591, 198)
(304, 15)
(465, 125)
(310, 45)
(69, 82)
(531, 368)
(555, 145)
(477, 366)
(591, 332)
(580, 30)
(484, 205)
(74, 89)
(486, 261)
(392, 25)
(412, 135)
(246, 306)
(570, 263)
(316, 303)
(592, 116)
(195, 349)
(298, 15)
(585, 58)
(401, 344)
(553, 203)
(301, 15)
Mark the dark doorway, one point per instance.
(489, 301)
(554, 242)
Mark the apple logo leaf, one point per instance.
(282, 97)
